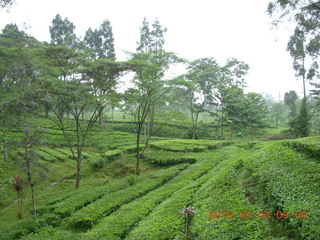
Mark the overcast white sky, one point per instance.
(196, 28)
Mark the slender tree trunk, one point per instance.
(79, 155)
(138, 149)
(304, 87)
(82, 115)
(79, 152)
(29, 172)
(46, 110)
(5, 151)
(112, 112)
(100, 121)
(221, 126)
(304, 81)
(33, 201)
(19, 193)
(78, 174)
(151, 123)
(195, 125)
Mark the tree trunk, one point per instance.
(195, 125)
(78, 173)
(46, 109)
(100, 121)
(33, 201)
(304, 87)
(79, 152)
(145, 129)
(112, 112)
(221, 126)
(5, 151)
(138, 150)
(151, 121)
(82, 115)
(30, 180)
(304, 81)
(79, 155)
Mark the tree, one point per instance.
(6, 3)
(277, 114)
(290, 99)
(22, 79)
(148, 88)
(85, 88)
(230, 79)
(305, 40)
(196, 87)
(254, 111)
(157, 36)
(297, 50)
(300, 125)
(151, 40)
(305, 16)
(101, 42)
(62, 32)
(145, 37)
(107, 40)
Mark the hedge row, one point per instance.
(177, 147)
(85, 196)
(188, 145)
(292, 183)
(309, 149)
(118, 223)
(53, 214)
(167, 158)
(223, 192)
(89, 215)
(107, 157)
(165, 221)
(56, 154)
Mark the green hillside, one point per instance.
(239, 190)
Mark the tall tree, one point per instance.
(197, 88)
(145, 37)
(85, 89)
(148, 88)
(254, 111)
(300, 125)
(6, 3)
(304, 42)
(157, 36)
(62, 32)
(229, 80)
(21, 84)
(151, 40)
(297, 50)
(290, 99)
(101, 41)
(107, 40)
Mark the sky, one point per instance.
(196, 28)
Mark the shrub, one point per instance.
(116, 226)
(89, 215)
(166, 158)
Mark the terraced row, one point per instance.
(165, 221)
(116, 225)
(89, 215)
(291, 184)
(188, 145)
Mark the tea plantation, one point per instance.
(187, 189)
